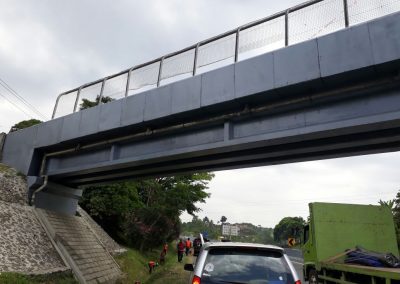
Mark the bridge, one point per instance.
(333, 95)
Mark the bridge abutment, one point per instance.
(53, 196)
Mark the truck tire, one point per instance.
(312, 276)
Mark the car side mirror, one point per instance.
(188, 267)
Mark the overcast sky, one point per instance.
(50, 46)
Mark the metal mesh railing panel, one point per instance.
(365, 10)
(90, 93)
(145, 76)
(305, 23)
(66, 104)
(268, 36)
(216, 51)
(115, 87)
(316, 20)
(179, 64)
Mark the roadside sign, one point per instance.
(291, 242)
(230, 230)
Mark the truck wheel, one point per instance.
(312, 277)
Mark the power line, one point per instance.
(20, 98)
(15, 105)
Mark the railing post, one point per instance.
(77, 98)
(237, 45)
(196, 52)
(102, 90)
(287, 27)
(128, 82)
(160, 71)
(346, 13)
(56, 105)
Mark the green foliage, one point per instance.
(24, 124)
(134, 265)
(145, 213)
(88, 103)
(55, 278)
(396, 217)
(110, 204)
(223, 219)
(197, 226)
(289, 227)
(112, 199)
(389, 204)
(248, 232)
(146, 228)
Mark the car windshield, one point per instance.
(245, 265)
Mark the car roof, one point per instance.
(208, 245)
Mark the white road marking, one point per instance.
(296, 262)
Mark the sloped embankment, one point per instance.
(24, 244)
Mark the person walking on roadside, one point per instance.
(165, 248)
(188, 246)
(162, 257)
(181, 249)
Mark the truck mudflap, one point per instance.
(357, 274)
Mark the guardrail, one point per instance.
(296, 24)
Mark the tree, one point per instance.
(88, 103)
(389, 204)
(24, 124)
(396, 216)
(109, 204)
(223, 219)
(146, 213)
(289, 227)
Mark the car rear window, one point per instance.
(246, 265)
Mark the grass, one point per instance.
(4, 168)
(55, 278)
(134, 266)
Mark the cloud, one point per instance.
(264, 195)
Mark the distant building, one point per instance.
(230, 230)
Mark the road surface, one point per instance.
(296, 257)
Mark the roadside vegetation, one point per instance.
(394, 206)
(55, 278)
(134, 264)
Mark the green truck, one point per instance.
(335, 228)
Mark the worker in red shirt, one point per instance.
(165, 248)
(152, 265)
(181, 249)
(188, 246)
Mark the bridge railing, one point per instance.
(296, 24)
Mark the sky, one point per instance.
(50, 46)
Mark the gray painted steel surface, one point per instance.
(337, 95)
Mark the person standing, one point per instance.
(188, 246)
(181, 249)
(165, 248)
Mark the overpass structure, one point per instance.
(335, 95)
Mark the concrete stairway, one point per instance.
(80, 247)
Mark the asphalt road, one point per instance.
(296, 257)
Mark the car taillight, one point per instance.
(297, 282)
(197, 280)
